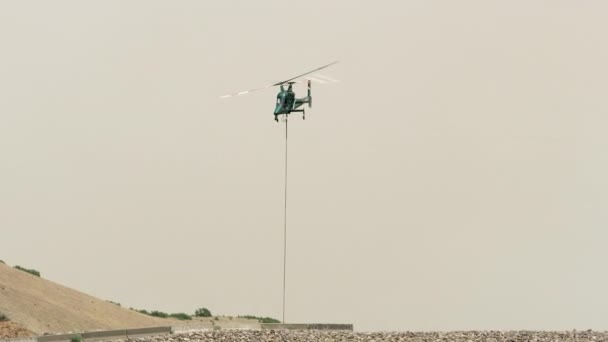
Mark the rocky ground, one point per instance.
(12, 329)
(330, 336)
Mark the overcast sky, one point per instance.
(455, 179)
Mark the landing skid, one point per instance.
(276, 116)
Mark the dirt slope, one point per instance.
(42, 306)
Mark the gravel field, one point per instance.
(327, 336)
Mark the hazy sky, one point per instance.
(454, 179)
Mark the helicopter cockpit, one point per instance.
(285, 101)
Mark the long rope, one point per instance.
(285, 225)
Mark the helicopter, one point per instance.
(287, 102)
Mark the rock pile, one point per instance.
(12, 330)
(348, 336)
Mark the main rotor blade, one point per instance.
(326, 78)
(280, 83)
(246, 91)
(317, 78)
(310, 72)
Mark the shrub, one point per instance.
(30, 271)
(109, 301)
(202, 312)
(76, 338)
(261, 319)
(2, 262)
(159, 314)
(269, 320)
(145, 312)
(181, 316)
(3, 317)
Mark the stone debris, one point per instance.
(349, 336)
(13, 330)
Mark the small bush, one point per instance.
(159, 314)
(76, 338)
(30, 271)
(181, 316)
(2, 262)
(3, 317)
(202, 312)
(261, 319)
(269, 320)
(109, 301)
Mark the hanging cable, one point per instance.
(285, 224)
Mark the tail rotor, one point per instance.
(309, 94)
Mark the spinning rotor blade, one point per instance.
(320, 79)
(316, 78)
(245, 92)
(327, 78)
(304, 74)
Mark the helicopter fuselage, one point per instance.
(287, 102)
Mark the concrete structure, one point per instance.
(58, 338)
(141, 332)
(238, 325)
(106, 335)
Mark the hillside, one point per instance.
(42, 306)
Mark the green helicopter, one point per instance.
(287, 102)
